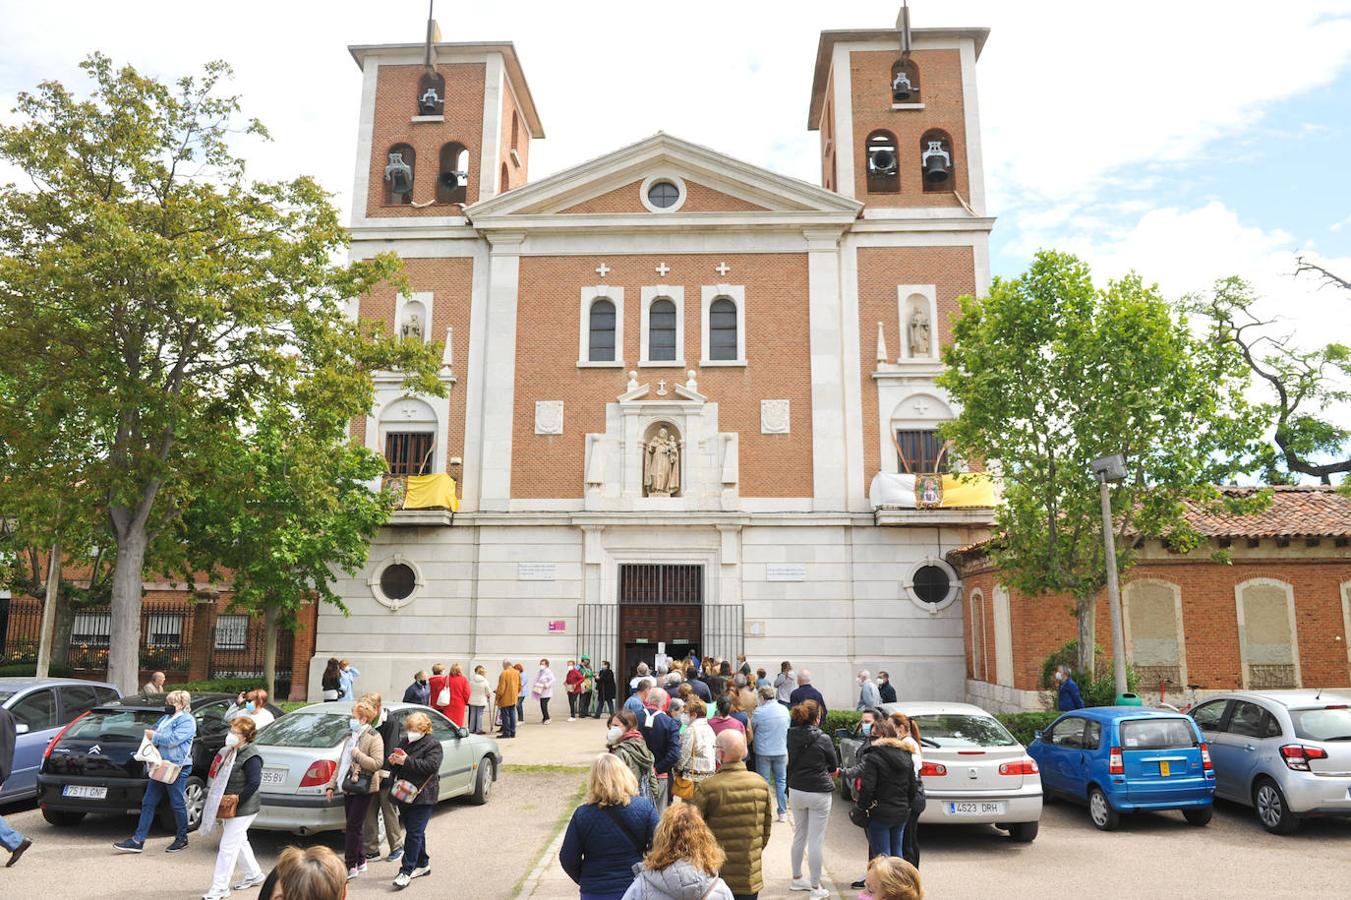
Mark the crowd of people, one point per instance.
(705, 756)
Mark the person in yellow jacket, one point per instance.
(508, 689)
(738, 809)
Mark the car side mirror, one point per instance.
(1036, 736)
(462, 733)
(20, 728)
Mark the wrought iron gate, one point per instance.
(598, 632)
(724, 631)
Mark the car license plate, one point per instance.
(274, 775)
(1164, 768)
(976, 808)
(88, 792)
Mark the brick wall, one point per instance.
(1209, 613)
(451, 283)
(777, 351)
(698, 198)
(940, 74)
(880, 270)
(396, 105)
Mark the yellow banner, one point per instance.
(431, 492)
(968, 490)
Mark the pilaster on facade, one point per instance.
(499, 370)
(826, 321)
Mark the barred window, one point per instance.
(164, 630)
(232, 632)
(408, 452)
(90, 630)
(921, 452)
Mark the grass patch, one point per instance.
(562, 822)
(292, 705)
(523, 768)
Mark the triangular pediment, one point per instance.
(711, 183)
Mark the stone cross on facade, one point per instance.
(602, 270)
(722, 268)
(663, 269)
(661, 387)
(921, 406)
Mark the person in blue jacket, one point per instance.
(662, 734)
(609, 833)
(1069, 696)
(172, 736)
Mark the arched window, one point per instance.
(936, 161)
(722, 328)
(601, 342)
(431, 94)
(408, 429)
(977, 613)
(515, 131)
(506, 179)
(905, 82)
(661, 330)
(400, 163)
(452, 179)
(883, 163)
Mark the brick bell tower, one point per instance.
(897, 114)
(443, 125)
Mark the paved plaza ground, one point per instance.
(508, 849)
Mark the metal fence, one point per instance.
(598, 632)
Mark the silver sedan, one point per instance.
(301, 753)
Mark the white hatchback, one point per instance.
(973, 770)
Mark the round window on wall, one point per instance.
(397, 581)
(931, 584)
(663, 194)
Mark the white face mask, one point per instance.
(413, 736)
(614, 734)
(684, 718)
(232, 739)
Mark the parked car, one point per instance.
(301, 752)
(41, 707)
(1287, 754)
(89, 768)
(974, 771)
(1121, 759)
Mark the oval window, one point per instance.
(932, 584)
(398, 581)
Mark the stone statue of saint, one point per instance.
(661, 465)
(919, 333)
(412, 327)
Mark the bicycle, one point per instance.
(1185, 708)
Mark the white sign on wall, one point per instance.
(785, 572)
(536, 571)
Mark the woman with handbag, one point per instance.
(233, 800)
(358, 777)
(172, 739)
(458, 687)
(698, 750)
(609, 833)
(907, 729)
(438, 689)
(543, 688)
(886, 792)
(415, 766)
(331, 682)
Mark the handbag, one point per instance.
(358, 781)
(404, 791)
(163, 772)
(443, 695)
(860, 816)
(682, 787)
(331, 694)
(229, 804)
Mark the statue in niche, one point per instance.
(412, 327)
(661, 465)
(919, 333)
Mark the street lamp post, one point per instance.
(1110, 469)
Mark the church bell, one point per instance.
(431, 94)
(400, 177)
(882, 161)
(936, 163)
(901, 88)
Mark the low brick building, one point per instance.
(1278, 615)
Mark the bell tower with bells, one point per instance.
(897, 114)
(443, 125)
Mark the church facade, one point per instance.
(672, 377)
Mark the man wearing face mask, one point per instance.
(868, 697)
(1068, 695)
(172, 736)
(738, 809)
(662, 735)
(885, 689)
(419, 691)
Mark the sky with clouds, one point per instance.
(1187, 140)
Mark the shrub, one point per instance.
(1025, 725)
(29, 670)
(217, 685)
(840, 718)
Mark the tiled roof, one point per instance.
(1295, 511)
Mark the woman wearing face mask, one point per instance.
(698, 743)
(254, 705)
(626, 742)
(573, 682)
(543, 688)
(358, 777)
(480, 696)
(236, 773)
(416, 761)
(172, 736)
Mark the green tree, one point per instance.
(1304, 385)
(161, 298)
(1050, 373)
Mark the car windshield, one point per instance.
(1332, 723)
(103, 725)
(964, 731)
(1156, 734)
(305, 730)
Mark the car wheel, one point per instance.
(194, 797)
(1272, 810)
(1023, 832)
(1198, 815)
(483, 785)
(62, 819)
(1100, 810)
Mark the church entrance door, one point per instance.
(659, 604)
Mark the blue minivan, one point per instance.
(1120, 759)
